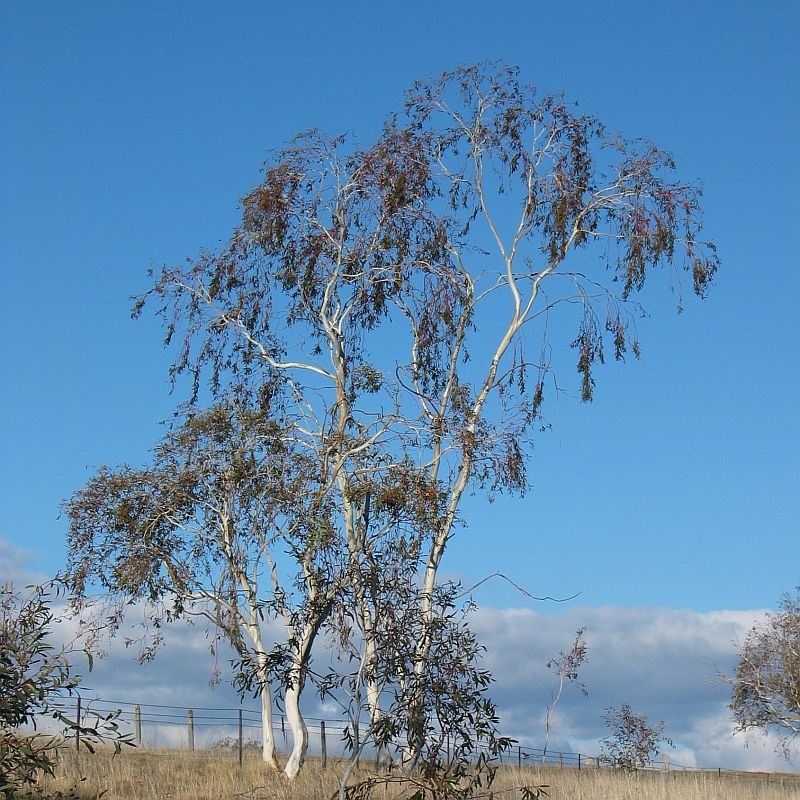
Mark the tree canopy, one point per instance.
(400, 312)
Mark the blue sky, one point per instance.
(130, 130)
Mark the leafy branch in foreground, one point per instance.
(35, 677)
(441, 723)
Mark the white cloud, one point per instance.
(664, 663)
(15, 564)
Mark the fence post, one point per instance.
(241, 743)
(78, 729)
(190, 725)
(519, 755)
(323, 744)
(137, 723)
(579, 761)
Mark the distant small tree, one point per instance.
(565, 666)
(633, 741)
(35, 676)
(766, 684)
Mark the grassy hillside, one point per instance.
(203, 775)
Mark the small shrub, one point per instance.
(35, 676)
(633, 741)
(231, 744)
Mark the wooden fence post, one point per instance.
(323, 743)
(241, 743)
(190, 725)
(137, 723)
(78, 729)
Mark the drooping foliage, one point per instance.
(230, 523)
(402, 311)
(36, 677)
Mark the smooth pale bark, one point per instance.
(345, 223)
(268, 754)
(305, 639)
(356, 525)
(371, 678)
(357, 543)
(250, 625)
(374, 699)
(297, 726)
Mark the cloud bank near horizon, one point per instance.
(666, 664)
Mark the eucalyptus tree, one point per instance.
(417, 298)
(566, 668)
(230, 523)
(765, 686)
(633, 740)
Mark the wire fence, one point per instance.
(214, 728)
(231, 732)
(236, 730)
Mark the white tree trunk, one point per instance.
(268, 754)
(374, 698)
(297, 726)
(297, 680)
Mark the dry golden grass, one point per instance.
(175, 775)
